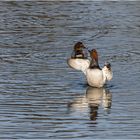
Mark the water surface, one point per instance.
(41, 97)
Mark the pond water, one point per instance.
(41, 97)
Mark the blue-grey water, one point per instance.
(41, 97)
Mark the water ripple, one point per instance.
(41, 97)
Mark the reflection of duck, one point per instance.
(79, 60)
(96, 76)
(97, 96)
(92, 100)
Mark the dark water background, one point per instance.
(41, 97)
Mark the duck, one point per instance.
(79, 58)
(97, 77)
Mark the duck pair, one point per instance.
(96, 77)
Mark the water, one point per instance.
(41, 97)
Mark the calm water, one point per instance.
(41, 97)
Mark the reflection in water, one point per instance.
(96, 97)
(36, 38)
(93, 99)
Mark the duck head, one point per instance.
(79, 46)
(94, 59)
(78, 51)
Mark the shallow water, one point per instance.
(41, 97)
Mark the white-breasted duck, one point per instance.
(79, 58)
(97, 77)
